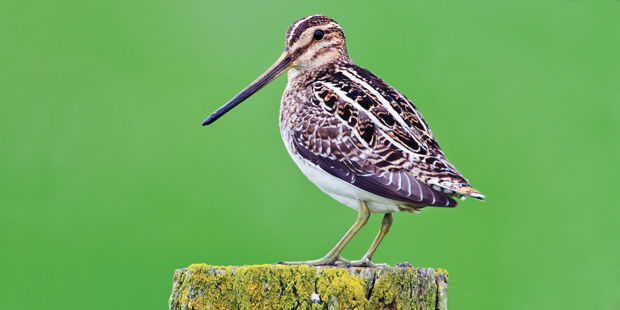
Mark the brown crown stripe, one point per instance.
(295, 31)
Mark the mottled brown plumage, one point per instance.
(353, 135)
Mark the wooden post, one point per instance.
(202, 286)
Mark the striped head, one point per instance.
(311, 42)
(314, 41)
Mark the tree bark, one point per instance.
(202, 286)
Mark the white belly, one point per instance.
(340, 190)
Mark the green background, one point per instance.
(109, 183)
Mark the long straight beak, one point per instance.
(283, 64)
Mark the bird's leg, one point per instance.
(334, 255)
(386, 223)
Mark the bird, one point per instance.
(354, 136)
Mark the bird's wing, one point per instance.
(399, 186)
(345, 141)
(398, 126)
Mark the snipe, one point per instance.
(357, 138)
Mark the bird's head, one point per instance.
(315, 41)
(311, 42)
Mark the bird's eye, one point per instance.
(319, 34)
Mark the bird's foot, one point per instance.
(365, 262)
(325, 261)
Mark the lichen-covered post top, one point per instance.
(202, 286)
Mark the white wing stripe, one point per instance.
(376, 121)
(386, 104)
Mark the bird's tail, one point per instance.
(466, 190)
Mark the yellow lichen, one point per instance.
(407, 295)
(251, 286)
(340, 290)
(383, 291)
(439, 270)
(218, 281)
(305, 279)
